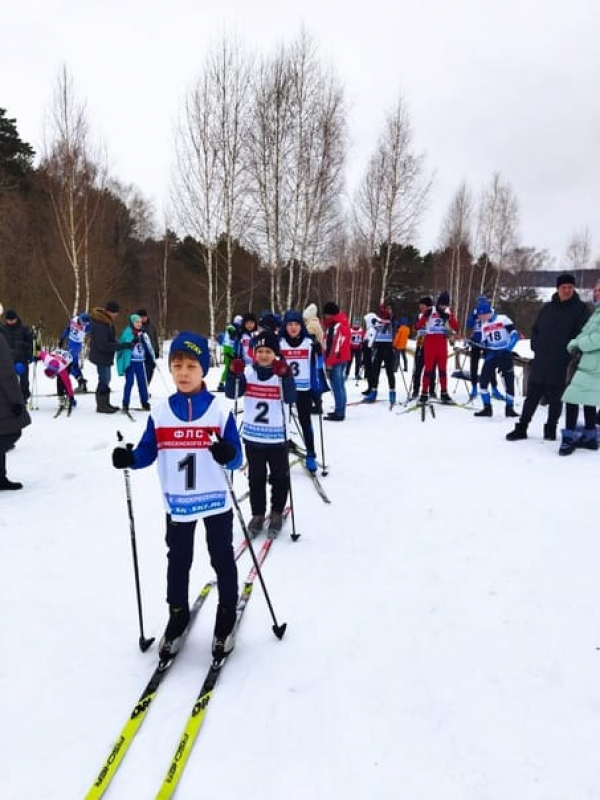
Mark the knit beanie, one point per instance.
(112, 306)
(267, 339)
(426, 301)
(194, 345)
(443, 299)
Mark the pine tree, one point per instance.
(16, 157)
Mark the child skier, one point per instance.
(497, 336)
(190, 468)
(73, 337)
(439, 323)
(132, 362)
(56, 365)
(357, 335)
(298, 349)
(265, 385)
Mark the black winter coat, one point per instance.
(20, 341)
(10, 394)
(103, 341)
(556, 324)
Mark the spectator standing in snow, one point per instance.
(558, 322)
(13, 413)
(20, 342)
(337, 355)
(584, 387)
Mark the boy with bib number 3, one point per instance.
(179, 435)
(266, 386)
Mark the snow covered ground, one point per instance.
(443, 620)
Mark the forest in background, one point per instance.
(260, 216)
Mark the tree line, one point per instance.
(259, 214)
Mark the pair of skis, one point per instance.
(198, 712)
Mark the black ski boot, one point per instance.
(446, 400)
(224, 635)
(550, 432)
(486, 411)
(509, 411)
(172, 638)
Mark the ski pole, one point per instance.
(143, 642)
(278, 630)
(324, 469)
(295, 536)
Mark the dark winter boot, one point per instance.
(102, 404)
(392, 397)
(445, 399)
(588, 440)
(224, 636)
(423, 399)
(509, 411)
(81, 386)
(146, 406)
(550, 432)
(567, 445)
(172, 638)
(486, 411)
(519, 432)
(371, 397)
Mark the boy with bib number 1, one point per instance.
(179, 436)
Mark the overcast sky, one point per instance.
(506, 86)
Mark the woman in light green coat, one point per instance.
(584, 388)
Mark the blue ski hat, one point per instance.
(483, 305)
(291, 315)
(194, 345)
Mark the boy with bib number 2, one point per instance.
(266, 386)
(179, 435)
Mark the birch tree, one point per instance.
(76, 177)
(497, 228)
(393, 195)
(456, 238)
(579, 252)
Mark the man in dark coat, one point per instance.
(558, 322)
(103, 346)
(148, 327)
(13, 413)
(20, 342)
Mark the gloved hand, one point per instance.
(222, 452)
(20, 368)
(281, 368)
(572, 346)
(17, 409)
(237, 366)
(122, 457)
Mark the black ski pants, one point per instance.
(275, 456)
(219, 540)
